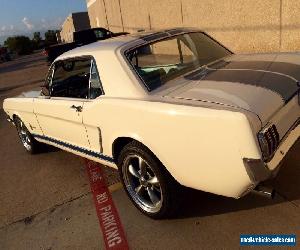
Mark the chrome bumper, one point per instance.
(257, 170)
(289, 140)
(10, 120)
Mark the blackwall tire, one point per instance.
(149, 186)
(29, 143)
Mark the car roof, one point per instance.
(125, 40)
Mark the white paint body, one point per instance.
(202, 144)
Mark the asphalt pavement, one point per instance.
(46, 202)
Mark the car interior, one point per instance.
(159, 62)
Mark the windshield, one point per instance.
(159, 62)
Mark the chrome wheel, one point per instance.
(24, 135)
(142, 184)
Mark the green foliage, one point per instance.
(50, 37)
(22, 45)
(37, 40)
(37, 36)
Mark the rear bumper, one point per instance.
(259, 171)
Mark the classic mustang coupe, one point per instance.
(166, 108)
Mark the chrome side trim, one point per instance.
(76, 148)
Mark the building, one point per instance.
(74, 22)
(241, 25)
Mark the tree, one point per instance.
(50, 36)
(37, 41)
(37, 36)
(22, 45)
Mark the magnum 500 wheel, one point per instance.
(29, 143)
(149, 186)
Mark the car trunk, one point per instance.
(262, 87)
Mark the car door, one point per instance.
(59, 112)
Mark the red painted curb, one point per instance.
(109, 220)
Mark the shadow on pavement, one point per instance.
(44, 147)
(23, 62)
(195, 203)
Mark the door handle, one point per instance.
(77, 108)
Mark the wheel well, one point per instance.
(121, 142)
(118, 145)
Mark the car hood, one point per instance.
(261, 84)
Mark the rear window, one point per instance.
(159, 62)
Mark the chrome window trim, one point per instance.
(92, 61)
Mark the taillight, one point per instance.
(268, 140)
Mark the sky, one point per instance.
(23, 17)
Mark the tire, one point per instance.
(149, 186)
(31, 145)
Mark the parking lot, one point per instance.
(46, 202)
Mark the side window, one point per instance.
(71, 79)
(164, 54)
(95, 83)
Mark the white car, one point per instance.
(167, 107)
